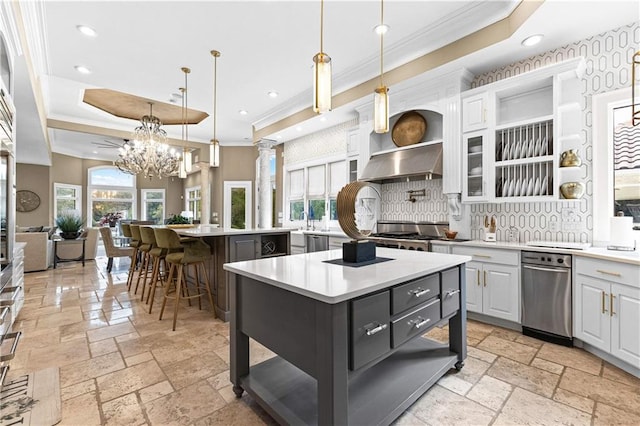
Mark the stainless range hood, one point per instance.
(419, 163)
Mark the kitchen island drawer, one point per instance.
(617, 272)
(450, 280)
(414, 293)
(370, 334)
(414, 323)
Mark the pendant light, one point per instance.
(321, 74)
(381, 93)
(182, 173)
(186, 153)
(635, 102)
(214, 147)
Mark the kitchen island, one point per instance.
(232, 245)
(347, 338)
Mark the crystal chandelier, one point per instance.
(148, 153)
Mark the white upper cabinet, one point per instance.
(529, 120)
(474, 112)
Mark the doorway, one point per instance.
(237, 205)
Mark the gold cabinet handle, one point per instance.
(485, 278)
(478, 277)
(482, 255)
(615, 274)
(604, 296)
(611, 300)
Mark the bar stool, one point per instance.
(143, 252)
(156, 256)
(195, 253)
(133, 243)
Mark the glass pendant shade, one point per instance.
(381, 110)
(186, 158)
(182, 173)
(321, 83)
(214, 153)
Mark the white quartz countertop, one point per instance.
(309, 275)
(210, 231)
(632, 257)
(329, 233)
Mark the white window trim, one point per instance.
(187, 199)
(90, 188)
(246, 184)
(78, 198)
(143, 196)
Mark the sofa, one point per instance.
(38, 254)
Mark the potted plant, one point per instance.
(69, 224)
(111, 219)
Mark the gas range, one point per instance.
(409, 235)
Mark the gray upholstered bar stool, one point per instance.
(133, 243)
(195, 253)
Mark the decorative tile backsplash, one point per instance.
(430, 208)
(608, 58)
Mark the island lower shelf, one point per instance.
(376, 395)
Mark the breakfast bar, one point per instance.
(347, 336)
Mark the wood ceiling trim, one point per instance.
(483, 38)
(125, 105)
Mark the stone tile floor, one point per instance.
(120, 365)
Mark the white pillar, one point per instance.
(265, 203)
(205, 193)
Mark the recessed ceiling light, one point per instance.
(299, 128)
(95, 152)
(278, 136)
(88, 31)
(242, 112)
(272, 94)
(82, 69)
(532, 40)
(381, 29)
(323, 118)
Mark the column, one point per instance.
(205, 194)
(265, 202)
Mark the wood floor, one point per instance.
(120, 365)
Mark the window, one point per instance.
(110, 191)
(193, 201)
(237, 204)
(67, 197)
(153, 205)
(313, 190)
(626, 165)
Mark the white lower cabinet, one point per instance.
(606, 309)
(493, 289)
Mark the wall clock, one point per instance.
(26, 201)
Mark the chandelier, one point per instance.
(148, 153)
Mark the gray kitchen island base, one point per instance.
(378, 395)
(358, 359)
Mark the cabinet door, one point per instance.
(501, 291)
(474, 286)
(242, 248)
(353, 141)
(440, 248)
(475, 166)
(625, 319)
(474, 112)
(592, 321)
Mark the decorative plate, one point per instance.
(26, 201)
(409, 129)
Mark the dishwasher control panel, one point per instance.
(546, 259)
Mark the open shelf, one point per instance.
(377, 395)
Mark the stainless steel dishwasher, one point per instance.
(546, 297)
(316, 242)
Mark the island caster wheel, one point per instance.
(238, 391)
(459, 365)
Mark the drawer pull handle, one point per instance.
(604, 296)
(482, 255)
(615, 274)
(377, 329)
(420, 322)
(450, 293)
(419, 292)
(16, 337)
(3, 315)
